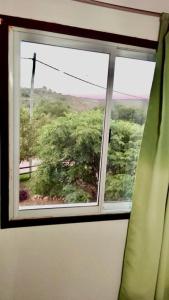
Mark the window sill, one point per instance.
(66, 220)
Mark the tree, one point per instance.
(43, 113)
(69, 149)
(27, 135)
(122, 158)
(128, 113)
(53, 109)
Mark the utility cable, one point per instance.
(83, 80)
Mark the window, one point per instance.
(77, 109)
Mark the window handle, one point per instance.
(109, 135)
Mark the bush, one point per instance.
(74, 194)
(119, 187)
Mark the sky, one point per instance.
(132, 77)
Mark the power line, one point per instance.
(71, 75)
(81, 79)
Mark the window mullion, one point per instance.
(106, 126)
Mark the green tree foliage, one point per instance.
(69, 148)
(30, 128)
(52, 109)
(122, 157)
(27, 135)
(119, 187)
(128, 113)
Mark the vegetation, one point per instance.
(68, 144)
(131, 114)
(27, 135)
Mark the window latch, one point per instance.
(109, 135)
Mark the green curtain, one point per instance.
(145, 273)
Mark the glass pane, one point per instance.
(132, 85)
(61, 121)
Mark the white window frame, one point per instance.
(16, 35)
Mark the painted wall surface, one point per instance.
(87, 16)
(151, 5)
(73, 261)
(63, 262)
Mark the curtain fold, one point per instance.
(145, 273)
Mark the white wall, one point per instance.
(82, 15)
(63, 262)
(73, 261)
(151, 5)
